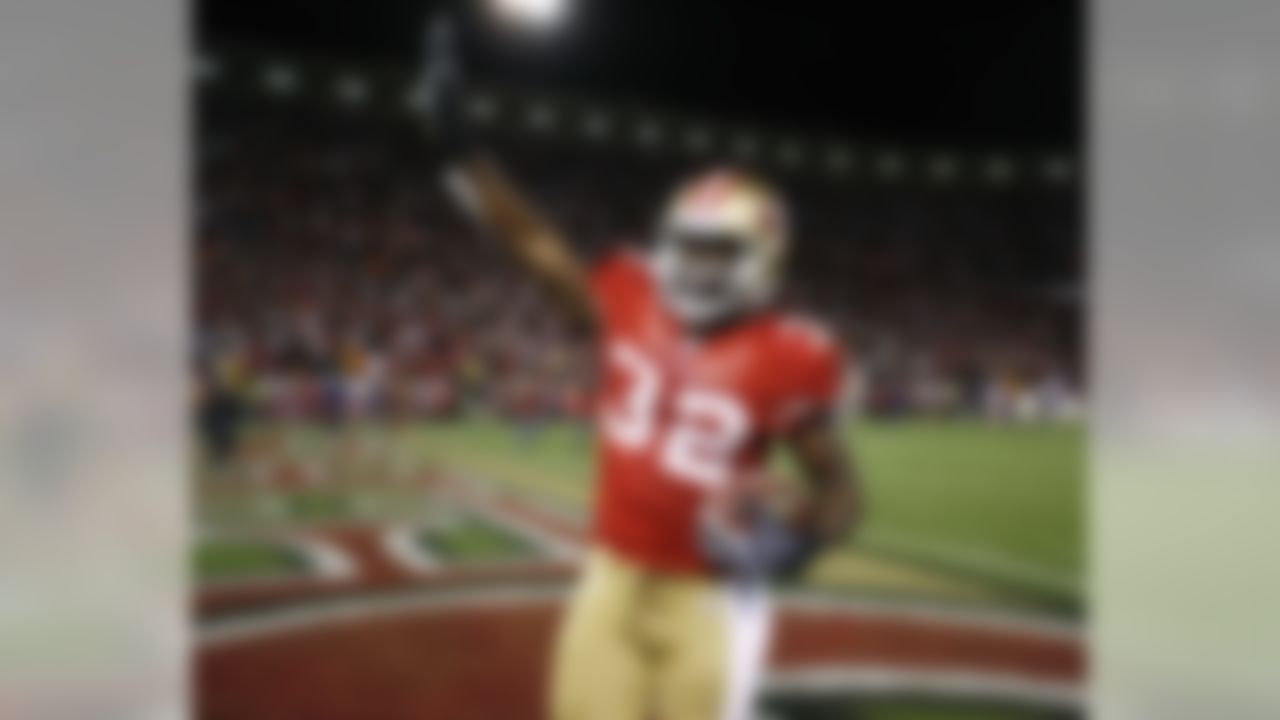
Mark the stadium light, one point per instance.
(540, 116)
(649, 133)
(697, 139)
(596, 125)
(745, 146)
(890, 165)
(530, 14)
(208, 68)
(999, 170)
(413, 97)
(352, 89)
(482, 107)
(1058, 169)
(790, 153)
(839, 159)
(280, 79)
(943, 168)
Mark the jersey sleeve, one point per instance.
(812, 386)
(615, 277)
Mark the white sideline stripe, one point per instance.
(297, 618)
(943, 683)
(400, 543)
(977, 557)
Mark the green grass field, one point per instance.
(471, 540)
(240, 559)
(995, 502)
(955, 510)
(900, 709)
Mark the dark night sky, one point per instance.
(975, 74)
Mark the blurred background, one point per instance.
(392, 424)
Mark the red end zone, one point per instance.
(481, 653)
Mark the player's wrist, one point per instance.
(768, 548)
(798, 545)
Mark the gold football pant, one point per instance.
(636, 644)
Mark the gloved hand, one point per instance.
(757, 545)
(442, 87)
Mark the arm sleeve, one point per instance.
(813, 386)
(613, 277)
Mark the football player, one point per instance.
(701, 375)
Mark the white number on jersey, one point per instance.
(707, 429)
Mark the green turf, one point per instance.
(472, 540)
(319, 505)
(998, 503)
(230, 559)
(904, 711)
(894, 708)
(1005, 501)
(996, 500)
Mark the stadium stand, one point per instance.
(335, 282)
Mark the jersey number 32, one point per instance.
(706, 430)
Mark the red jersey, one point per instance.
(681, 416)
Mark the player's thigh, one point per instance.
(597, 671)
(718, 639)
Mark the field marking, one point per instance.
(281, 621)
(819, 678)
(976, 557)
(322, 560)
(484, 497)
(400, 543)
(329, 560)
(554, 546)
(865, 680)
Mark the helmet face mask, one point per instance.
(719, 250)
(707, 279)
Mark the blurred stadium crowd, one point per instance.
(336, 282)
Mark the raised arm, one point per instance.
(484, 193)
